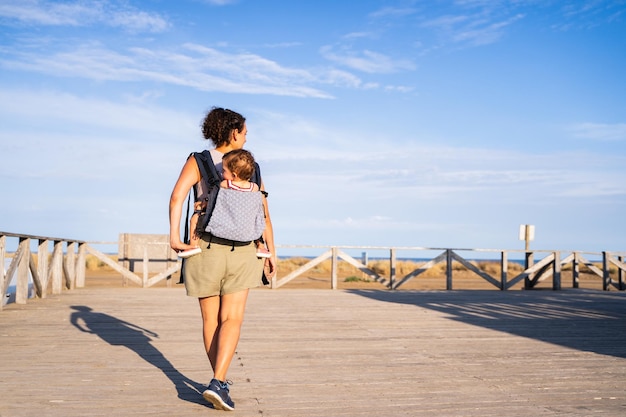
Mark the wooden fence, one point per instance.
(533, 273)
(64, 268)
(60, 263)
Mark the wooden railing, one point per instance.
(144, 280)
(65, 268)
(60, 263)
(533, 273)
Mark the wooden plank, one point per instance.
(476, 270)
(56, 269)
(69, 266)
(37, 282)
(425, 267)
(123, 271)
(526, 274)
(43, 265)
(303, 268)
(363, 268)
(159, 277)
(449, 270)
(556, 278)
(80, 265)
(3, 278)
(540, 275)
(313, 353)
(504, 269)
(590, 266)
(333, 269)
(392, 267)
(17, 257)
(21, 284)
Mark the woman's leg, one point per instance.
(231, 312)
(210, 308)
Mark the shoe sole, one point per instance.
(216, 400)
(263, 255)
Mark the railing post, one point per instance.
(620, 275)
(144, 283)
(56, 270)
(576, 270)
(527, 264)
(70, 266)
(504, 268)
(43, 265)
(392, 267)
(123, 256)
(80, 266)
(606, 276)
(448, 269)
(333, 269)
(556, 271)
(34, 274)
(3, 277)
(21, 287)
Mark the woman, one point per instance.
(222, 274)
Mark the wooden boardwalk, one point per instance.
(306, 352)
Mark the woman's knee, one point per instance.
(233, 306)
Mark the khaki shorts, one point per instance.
(222, 268)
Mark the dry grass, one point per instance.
(403, 268)
(94, 264)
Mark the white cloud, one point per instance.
(472, 29)
(83, 13)
(420, 174)
(359, 35)
(54, 108)
(599, 131)
(590, 13)
(480, 33)
(221, 2)
(367, 61)
(392, 12)
(194, 66)
(441, 173)
(399, 88)
(138, 21)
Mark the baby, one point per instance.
(237, 170)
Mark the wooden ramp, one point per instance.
(138, 352)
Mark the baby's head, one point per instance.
(238, 165)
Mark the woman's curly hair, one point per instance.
(219, 123)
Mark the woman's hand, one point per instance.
(178, 246)
(270, 266)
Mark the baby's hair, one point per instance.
(240, 162)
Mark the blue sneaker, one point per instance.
(217, 394)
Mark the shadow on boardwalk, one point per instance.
(589, 321)
(118, 332)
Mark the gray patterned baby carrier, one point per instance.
(237, 215)
(208, 190)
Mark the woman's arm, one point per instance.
(268, 236)
(189, 176)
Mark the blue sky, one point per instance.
(392, 123)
